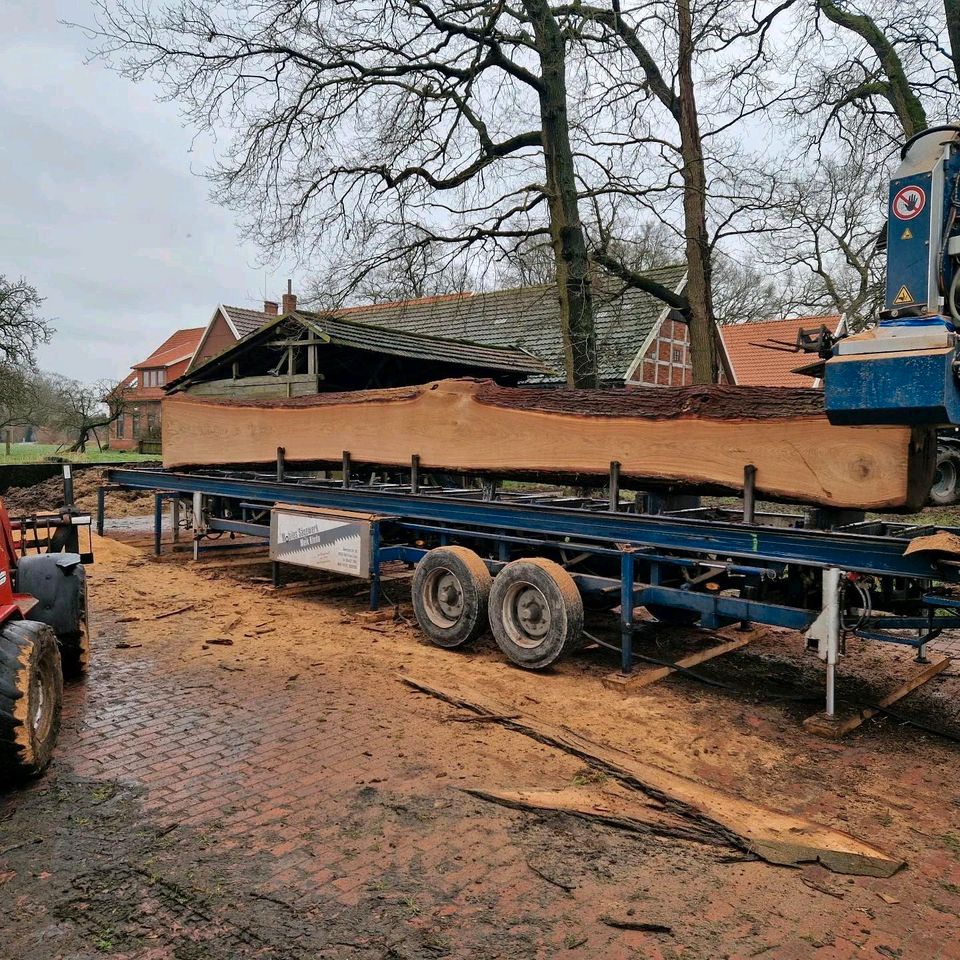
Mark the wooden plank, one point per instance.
(774, 836)
(679, 437)
(643, 678)
(260, 387)
(838, 726)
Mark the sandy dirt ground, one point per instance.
(49, 495)
(243, 774)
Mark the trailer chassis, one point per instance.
(711, 567)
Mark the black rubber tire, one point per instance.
(459, 570)
(544, 640)
(61, 588)
(31, 698)
(946, 485)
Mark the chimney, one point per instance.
(271, 308)
(289, 299)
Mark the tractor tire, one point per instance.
(536, 612)
(31, 698)
(59, 582)
(946, 484)
(450, 589)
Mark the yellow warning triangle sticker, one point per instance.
(904, 296)
(907, 234)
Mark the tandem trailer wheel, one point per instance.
(450, 591)
(536, 612)
(31, 698)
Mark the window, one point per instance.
(154, 377)
(135, 426)
(677, 355)
(121, 423)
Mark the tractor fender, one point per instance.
(58, 581)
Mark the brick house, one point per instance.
(143, 389)
(638, 339)
(230, 324)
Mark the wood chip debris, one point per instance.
(173, 613)
(628, 923)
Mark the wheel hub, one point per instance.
(443, 597)
(527, 615)
(450, 596)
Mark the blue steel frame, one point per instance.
(661, 542)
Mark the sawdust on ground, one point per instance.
(752, 745)
(895, 788)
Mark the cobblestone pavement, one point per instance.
(282, 795)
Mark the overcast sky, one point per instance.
(101, 205)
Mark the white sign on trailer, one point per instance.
(320, 540)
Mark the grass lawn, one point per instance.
(37, 452)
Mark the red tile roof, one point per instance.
(179, 346)
(758, 366)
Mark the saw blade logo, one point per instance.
(909, 203)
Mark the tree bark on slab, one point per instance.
(592, 804)
(776, 837)
(690, 438)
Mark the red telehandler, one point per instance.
(43, 633)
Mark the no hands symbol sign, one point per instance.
(909, 203)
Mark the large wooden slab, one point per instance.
(685, 437)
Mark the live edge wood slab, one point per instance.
(685, 438)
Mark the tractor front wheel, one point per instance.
(59, 583)
(31, 698)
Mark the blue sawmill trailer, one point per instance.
(528, 563)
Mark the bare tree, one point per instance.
(681, 76)
(877, 72)
(365, 133)
(82, 410)
(26, 397)
(639, 248)
(828, 258)
(22, 328)
(873, 73)
(415, 273)
(374, 130)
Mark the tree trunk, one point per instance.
(951, 9)
(899, 94)
(700, 317)
(566, 229)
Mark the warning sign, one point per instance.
(903, 296)
(909, 202)
(907, 234)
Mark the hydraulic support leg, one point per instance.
(101, 509)
(157, 523)
(199, 523)
(626, 611)
(374, 565)
(831, 608)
